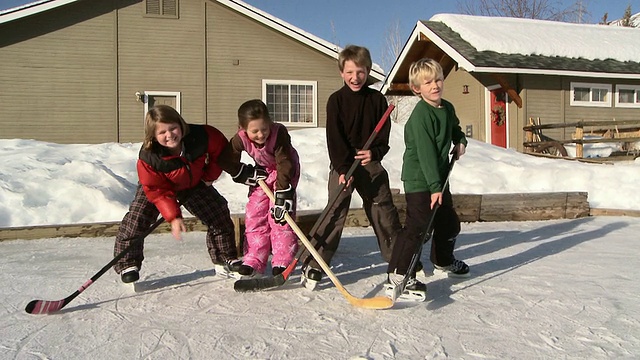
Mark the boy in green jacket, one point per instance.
(429, 134)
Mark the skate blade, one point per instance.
(450, 274)
(308, 284)
(132, 287)
(222, 272)
(406, 296)
(244, 277)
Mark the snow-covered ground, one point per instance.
(561, 289)
(44, 183)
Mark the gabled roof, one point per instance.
(507, 45)
(269, 20)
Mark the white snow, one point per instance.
(562, 289)
(547, 38)
(80, 183)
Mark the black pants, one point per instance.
(445, 228)
(372, 183)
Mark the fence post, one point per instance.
(579, 136)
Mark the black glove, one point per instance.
(250, 175)
(283, 204)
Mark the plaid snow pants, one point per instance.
(202, 201)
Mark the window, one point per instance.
(151, 98)
(585, 94)
(161, 8)
(292, 103)
(627, 96)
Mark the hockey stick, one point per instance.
(262, 283)
(399, 289)
(379, 302)
(47, 306)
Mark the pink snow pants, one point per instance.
(263, 236)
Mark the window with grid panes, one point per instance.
(588, 94)
(628, 96)
(292, 103)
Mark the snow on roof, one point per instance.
(546, 38)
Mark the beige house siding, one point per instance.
(160, 54)
(261, 54)
(586, 113)
(469, 106)
(544, 101)
(57, 78)
(71, 74)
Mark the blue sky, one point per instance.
(367, 22)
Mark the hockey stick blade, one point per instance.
(378, 302)
(50, 306)
(38, 307)
(257, 284)
(245, 285)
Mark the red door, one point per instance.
(498, 108)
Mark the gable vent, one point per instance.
(162, 8)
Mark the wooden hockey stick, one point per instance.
(378, 302)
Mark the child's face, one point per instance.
(169, 136)
(430, 89)
(354, 76)
(258, 131)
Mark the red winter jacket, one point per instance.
(162, 175)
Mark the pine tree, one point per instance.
(626, 18)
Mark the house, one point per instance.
(500, 72)
(86, 71)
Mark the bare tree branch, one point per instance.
(529, 9)
(392, 45)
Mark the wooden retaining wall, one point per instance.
(470, 208)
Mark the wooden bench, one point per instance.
(470, 208)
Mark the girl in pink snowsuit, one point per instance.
(266, 230)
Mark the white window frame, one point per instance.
(635, 104)
(591, 87)
(146, 95)
(313, 84)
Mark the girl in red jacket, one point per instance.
(177, 164)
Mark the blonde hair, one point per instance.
(422, 69)
(358, 54)
(161, 114)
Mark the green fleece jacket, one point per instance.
(428, 136)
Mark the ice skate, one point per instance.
(310, 277)
(130, 275)
(229, 268)
(277, 270)
(413, 291)
(457, 269)
(247, 272)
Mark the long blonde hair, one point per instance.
(161, 114)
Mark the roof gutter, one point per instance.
(31, 9)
